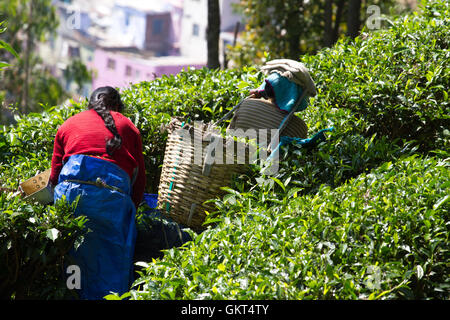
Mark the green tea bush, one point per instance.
(382, 235)
(395, 79)
(33, 243)
(27, 147)
(34, 239)
(334, 222)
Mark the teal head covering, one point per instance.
(284, 91)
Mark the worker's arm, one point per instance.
(58, 154)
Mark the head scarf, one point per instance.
(286, 81)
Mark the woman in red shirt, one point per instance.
(98, 161)
(102, 131)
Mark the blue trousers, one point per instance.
(105, 257)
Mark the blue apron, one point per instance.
(105, 257)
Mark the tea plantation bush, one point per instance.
(363, 215)
(382, 235)
(357, 218)
(397, 80)
(33, 242)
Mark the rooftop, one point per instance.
(145, 6)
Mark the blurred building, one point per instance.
(128, 41)
(119, 67)
(148, 25)
(194, 26)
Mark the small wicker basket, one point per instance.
(38, 189)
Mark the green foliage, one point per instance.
(359, 217)
(289, 29)
(282, 28)
(395, 79)
(383, 235)
(29, 22)
(28, 146)
(4, 45)
(198, 95)
(362, 216)
(78, 72)
(34, 239)
(3, 64)
(33, 243)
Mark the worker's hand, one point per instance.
(254, 93)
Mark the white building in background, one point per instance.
(194, 24)
(147, 25)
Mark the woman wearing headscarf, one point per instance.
(97, 159)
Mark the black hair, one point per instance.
(103, 100)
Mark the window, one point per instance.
(74, 52)
(128, 71)
(157, 27)
(111, 64)
(195, 30)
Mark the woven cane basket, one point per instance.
(186, 184)
(263, 114)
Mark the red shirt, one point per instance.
(85, 133)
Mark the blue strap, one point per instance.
(173, 177)
(310, 142)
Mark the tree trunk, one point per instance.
(328, 17)
(353, 18)
(337, 22)
(294, 28)
(213, 34)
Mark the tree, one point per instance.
(353, 18)
(77, 71)
(285, 29)
(332, 26)
(29, 21)
(7, 48)
(213, 34)
(291, 28)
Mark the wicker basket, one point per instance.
(186, 183)
(263, 114)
